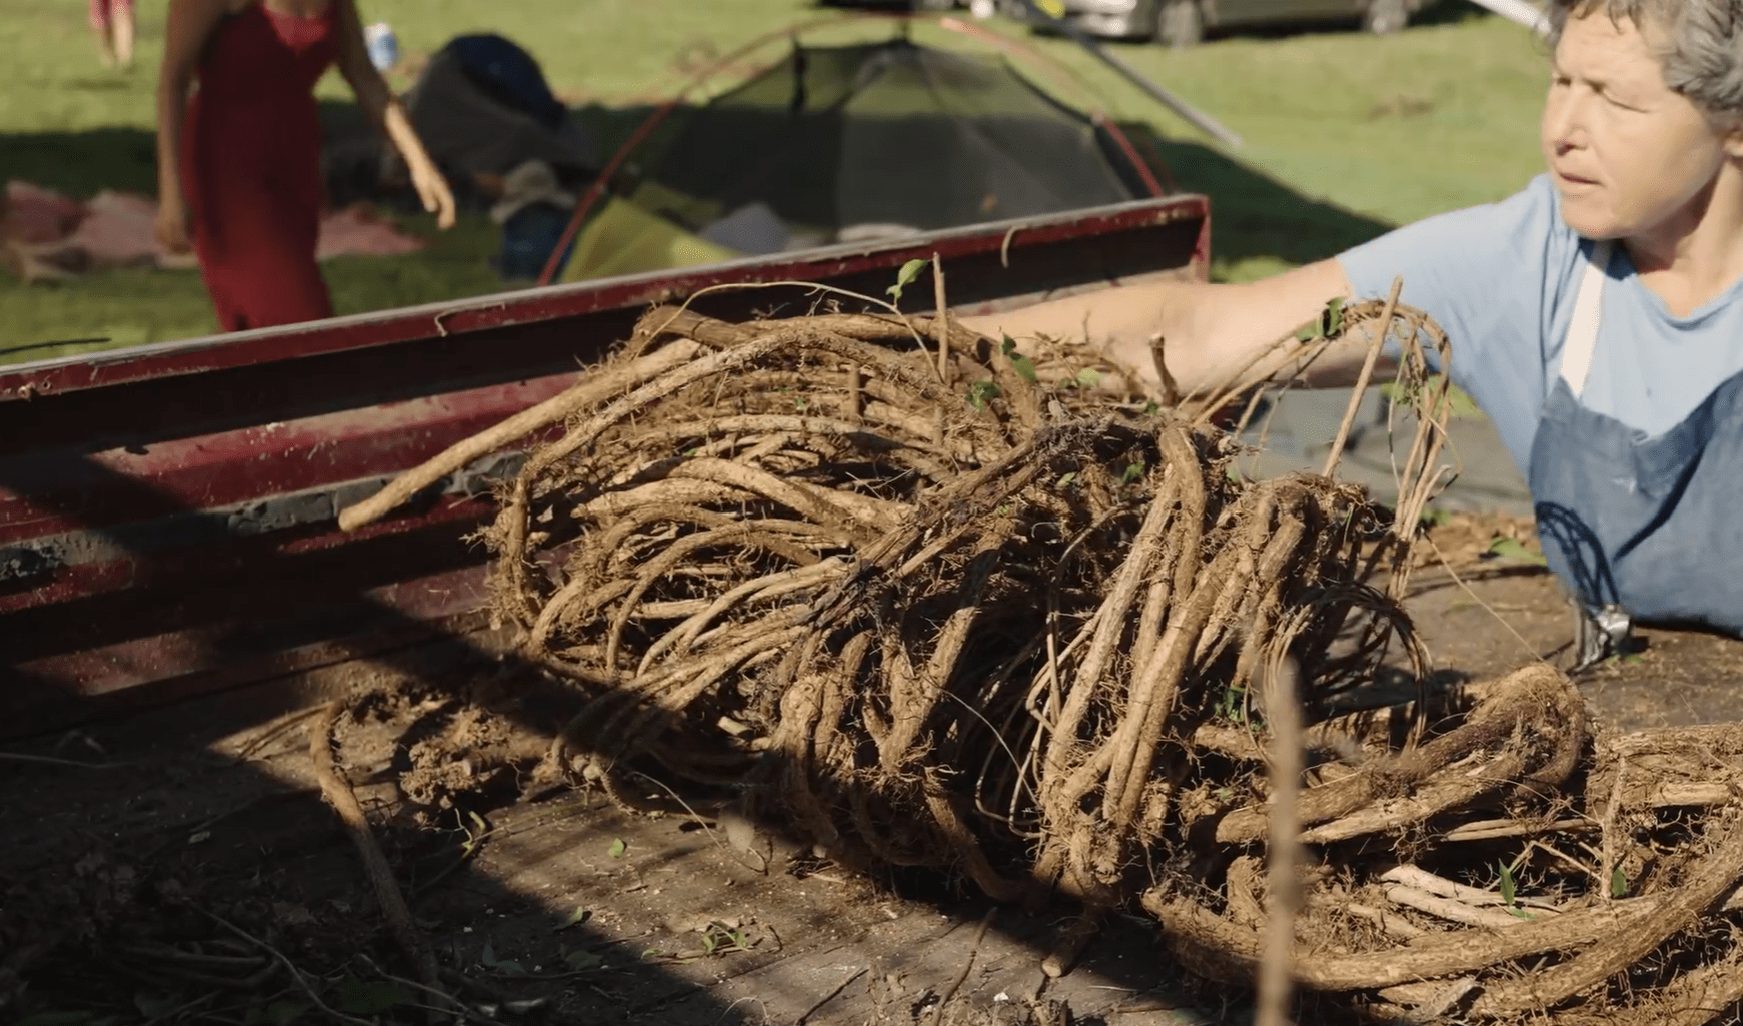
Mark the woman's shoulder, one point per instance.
(1515, 244)
(1540, 202)
(1530, 216)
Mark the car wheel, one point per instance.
(1179, 23)
(1384, 17)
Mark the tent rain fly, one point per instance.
(851, 143)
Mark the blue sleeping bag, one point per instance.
(508, 75)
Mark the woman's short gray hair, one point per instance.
(1700, 44)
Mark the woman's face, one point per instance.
(1630, 157)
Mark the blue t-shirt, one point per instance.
(1501, 279)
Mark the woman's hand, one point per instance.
(433, 191)
(189, 25)
(174, 225)
(385, 109)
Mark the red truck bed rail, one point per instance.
(168, 513)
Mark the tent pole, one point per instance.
(1519, 12)
(1197, 118)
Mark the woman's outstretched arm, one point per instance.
(1207, 333)
(385, 110)
(190, 24)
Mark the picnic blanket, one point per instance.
(46, 235)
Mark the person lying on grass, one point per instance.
(1596, 316)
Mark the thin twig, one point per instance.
(1420, 879)
(49, 760)
(1497, 829)
(186, 1007)
(941, 327)
(296, 974)
(387, 893)
(1283, 847)
(1361, 387)
(1446, 564)
(1069, 947)
(1391, 922)
(831, 996)
(451, 1003)
(1450, 909)
(284, 723)
(1607, 834)
(701, 821)
(967, 963)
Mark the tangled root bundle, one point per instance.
(929, 602)
(952, 617)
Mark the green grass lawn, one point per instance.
(1345, 135)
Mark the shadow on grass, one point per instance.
(1255, 217)
(82, 163)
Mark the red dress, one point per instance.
(251, 166)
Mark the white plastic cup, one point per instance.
(383, 45)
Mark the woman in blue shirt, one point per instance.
(1595, 316)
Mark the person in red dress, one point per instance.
(113, 22)
(238, 147)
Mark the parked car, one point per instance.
(1184, 22)
(916, 5)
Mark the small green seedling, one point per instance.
(1024, 366)
(1511, 549)
(370, 997)
(1328, 324)
(721, 939)
(475, 832)
(982, 392)
(1232, 704)
(1459, 403)
(1510, 893)
(618, 848)
(905, 277)
(487, 958)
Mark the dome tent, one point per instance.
(846, 143)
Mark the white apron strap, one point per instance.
(1582, 331)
